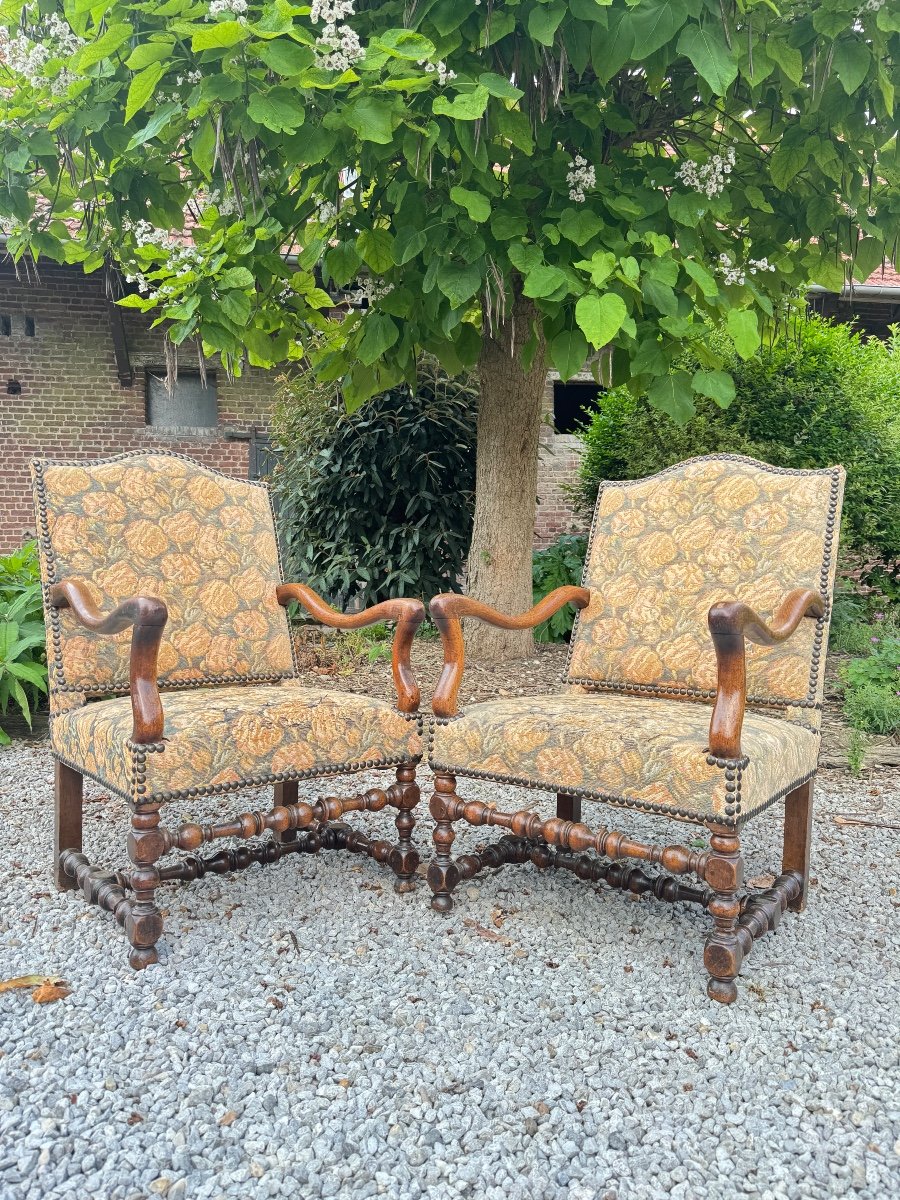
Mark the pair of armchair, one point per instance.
(172, 675)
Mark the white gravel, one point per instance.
(308, 1033)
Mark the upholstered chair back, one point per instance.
(161, 525)
(664, 549)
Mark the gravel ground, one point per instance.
(308, 1033)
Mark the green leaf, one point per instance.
(611, 49)
(543, 22)
(236, 306)
(376, 247)
(789, 59)
(786, 164)
(466, 106)
(106, 45)
(379, 334)
(673, 394)
(476, 205)
(458, 281)
(203, 147)
(702, 278)
(708, 51)
(868, 258)
(656, 22)
(141, 88)
(744, 330)
(661, 296)
(279, 109)
(579, 225)
(219, 36)
(372, 119)
(543, 281)
(286, 57)
(568, 352)
(600, 317)
(147, 53)
(157, 122)
(505, 226)
(497, 85)
(408, 243)
(601, 265)
(717, 385)
(237, 277)
(820, 213)
(687, 207)
(851, 59)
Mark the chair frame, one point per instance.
(741, 915)
(299, 827)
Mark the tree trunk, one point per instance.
(509, 425)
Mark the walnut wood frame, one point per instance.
(740, 914)
(130, 894)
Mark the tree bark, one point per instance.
(509, 425)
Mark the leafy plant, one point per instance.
(558, 565)
(23, 667)
(376, 503)
(872, 688)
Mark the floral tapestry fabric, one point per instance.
(664, 549)
(218, 738)
(159, 525)
(643, 753)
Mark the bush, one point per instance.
(558, 565)
(23, 660)
(376, 503)
(821, 396)
(872, 689)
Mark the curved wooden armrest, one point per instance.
(409, 615)
(447, 610)
(730, 624)
(148, 617)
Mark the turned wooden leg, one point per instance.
(443, 873)
(798, 812)
(568, 808)
(404, 857)
(725, 949)
(144, 924)
(286, 793)
(69, 786)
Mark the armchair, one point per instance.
(203, 697)
(666, 707)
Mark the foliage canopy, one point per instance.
(636, 168)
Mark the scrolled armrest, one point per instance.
(409, 615)
(449, 608)
(730, 624)
(147, 617)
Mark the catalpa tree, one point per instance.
(511, 185)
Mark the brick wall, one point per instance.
(559, 456)
(72, 404)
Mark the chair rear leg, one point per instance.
(286, 793)
(568, 808)
(404, 859)
(443, 873)
(798, 812)
(69, 792)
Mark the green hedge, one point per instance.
(379, 502)
(823, 395)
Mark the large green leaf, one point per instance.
(579, 225)
(544, 20)
(376, 248)
(744, 330)
(465, 106)
(717, 385)
(498, 85)
(379, 334)
(104, 46)
(543, 281)
(600, 317)
(372, 119)
(458, 281)
(219, 36)
(786, 164)
(673, 394)
(568, 352)
(868, 258)
(851, 60)
(708, 51)
(279, 109)
(476, 204)
(147, 53)
(286, 57)
(612, 48)
(155, 125)
(142, 87)
(656, 22)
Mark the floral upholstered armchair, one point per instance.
(667, 653)
(172, 676)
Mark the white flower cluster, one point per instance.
(191, 77)
(735, 274)
(580, 178)
(225, 205)
(226, 8)
(182, 256)
(444, 73)
(873, 5)
(871, 210)
(711, 177)
(338, 48)
(330, 11)
(28, 54)
(369, 290)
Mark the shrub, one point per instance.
(23, 662)
(872, 688)
(558, 565)
(819, 397)
(376, 503)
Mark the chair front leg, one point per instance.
(69, 792)
(725, 945)
(443, 873)
(798, 812)
(404, 859)
(144, 923)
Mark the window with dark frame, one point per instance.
(573, 404)
(190, 406)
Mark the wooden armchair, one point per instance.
(172, 676)
(659, 676)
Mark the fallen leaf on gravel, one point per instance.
(22, 981)
(50, 990)
(761, 881)
(275, 1002)
(487, 934)
(840, 819)
(135, 1119)
(228, 1118)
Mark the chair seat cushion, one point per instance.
(643, 753)
(223, 738)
